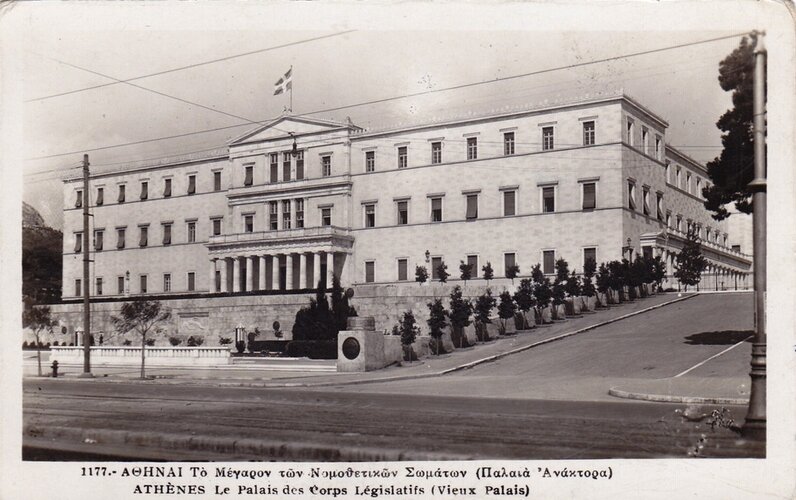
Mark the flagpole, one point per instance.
(291, 88)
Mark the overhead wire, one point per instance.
(403, 96)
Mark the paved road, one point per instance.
(287, 424)
(655, 345)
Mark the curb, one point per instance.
(259, 449)
(666, 398)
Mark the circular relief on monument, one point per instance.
(349, 292)
(351, 348)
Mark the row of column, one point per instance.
(714, 277)
(243, 276)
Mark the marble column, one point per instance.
(250, 272)
(211, 285)
(275, 272)
(223, 269)
(329, 269)
(289, 271)
(316, 268)
(261, 275)
(303, 271)
(236, 274)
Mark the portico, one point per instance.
(291, 259)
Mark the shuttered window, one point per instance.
(120, 238)
(472, 206)
(285, 166)
(144, 239)
(79, 200)
(436, 209)
(402, 270)
(589, 196)
(549, 261)
(144, 190)
(167, 234)
(548, 199)
(167, 188)
(98, 240)
(78, 242)
(120, 199)
(509, 203)
(274, 167)
(100, 196)
(300, 165)
(472, 261)
(191, 184)
(370, 272)
(249, 180)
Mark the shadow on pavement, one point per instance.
(724, 337)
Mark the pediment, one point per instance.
(283, 126)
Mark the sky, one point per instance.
(341, 62)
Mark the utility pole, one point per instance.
(755, 425)
(86, 277)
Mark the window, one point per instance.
(191, 184)
(299, 165)
(435, 263)
(679, 223)
(370, 161)
(326, 216)
(274, 168)
(472, 261)
(698, 191)
(370, 215)
(509, 260)
(98, 240)
(403, 212)
(646, 251)
(509, 203)
(547, 138)
(436, 209)
(549, 261)
(472, 148)
(645, 198)
(78, 242)
(688, 182)
(248, 223)
(370, 272)
(191, 282)
(631, 195)
(630, 131)
(249, 178)
(644, 136)
(192, 232)
(142, 283)
(216, 227)
(216, 181)
(167, 188)
(167, 282)
(436, 153)
(668, 173)
(120, 198)
(144, 190)
(508, 143)
(273, 210)
(403, 274)
(472, 207)
(166, 234)
(120, 234)
(588, 133)
(299, 213)
(548, 199)
(326, 165)
(589, 195)
(143, 240)
(78, 286)
(668, 219)
(286, 214)
(659, 206)
(285, 166)
(589, 254)
(658, 147)
(120, 285)
(679, 178)
(79, 199)
(402, 157)
(100, 196)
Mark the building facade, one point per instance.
(289, 203)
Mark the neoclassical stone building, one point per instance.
(284, 206)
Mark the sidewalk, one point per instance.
(316, 373)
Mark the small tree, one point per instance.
(506, 309)
(141, 316)
(442, 272)
(587, 286)
(466, 271)
(39, 320)
(421, 274)
(559, 284)
(483, 307)
(460, 313)
(408, 330)
(573, 286)
(541, 289)
(690, 262)
(489, 273)
(512, 272)
(525, 299)
(436, 322)
(658, 270)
